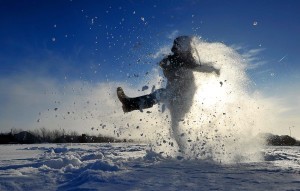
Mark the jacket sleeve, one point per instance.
(206, 69)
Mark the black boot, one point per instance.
(126, 101)
(137, 103)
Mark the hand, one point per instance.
(217, 71)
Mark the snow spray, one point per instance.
(224, 119)
(226, 116)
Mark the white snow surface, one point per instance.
(123, 166)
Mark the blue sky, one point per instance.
(96, 41)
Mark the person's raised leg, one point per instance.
(139, 103)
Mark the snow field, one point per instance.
(138, 167)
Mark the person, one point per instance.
(178, 94)
(178, 69)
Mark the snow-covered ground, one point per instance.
(137, 167)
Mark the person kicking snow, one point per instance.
(178, 94)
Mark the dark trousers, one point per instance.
(146, 101)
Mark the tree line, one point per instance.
(43, 135)
(283, 140)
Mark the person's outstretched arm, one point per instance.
(200, 67)
(206, 69)
(192, 64)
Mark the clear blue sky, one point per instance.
(87, 33)
(98, 40)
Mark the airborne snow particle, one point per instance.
(255, 23)
(53, 39)
(144, 88)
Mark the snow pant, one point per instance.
(145, 101)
